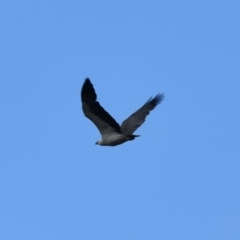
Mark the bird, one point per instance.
(112, 133)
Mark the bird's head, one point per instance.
(99, 143)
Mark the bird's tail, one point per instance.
(132, 136)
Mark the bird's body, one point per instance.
(115, 139)
(112, 133)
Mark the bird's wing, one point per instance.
(95, 112)
(133, 122)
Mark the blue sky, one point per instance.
(179, 180)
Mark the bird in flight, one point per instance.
(112, 133)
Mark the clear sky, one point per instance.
(180, 180)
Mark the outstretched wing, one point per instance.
(133, 122)
(95, 112)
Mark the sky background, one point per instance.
(180, 180)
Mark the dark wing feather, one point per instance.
(133, 122)
(95, 112)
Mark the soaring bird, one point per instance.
(112, 133)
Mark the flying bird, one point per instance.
(112, 133)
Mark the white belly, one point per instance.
(113, 140)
